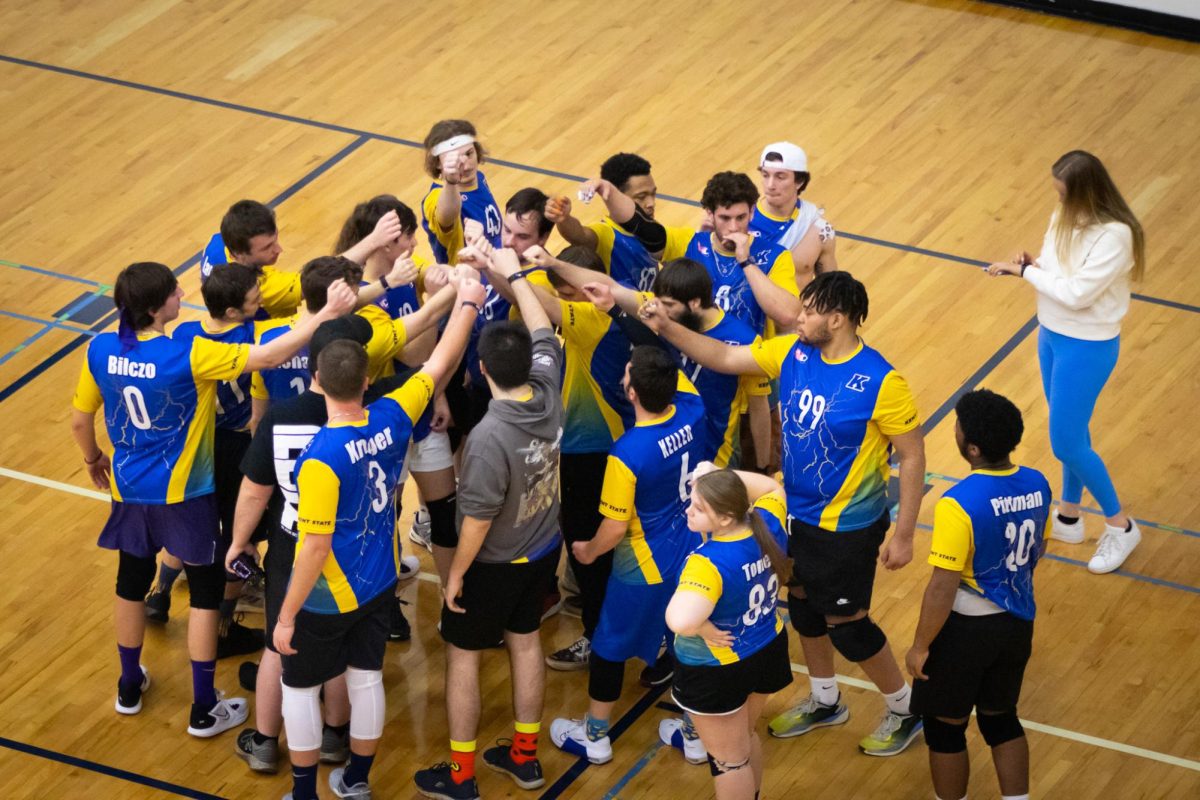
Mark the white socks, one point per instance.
(824, 690)
(897, 701)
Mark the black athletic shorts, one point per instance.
(499, 597)
(228, 449)
(724, 689)
(326, 644)
(277, 567)
(974, 662)
(836, 570)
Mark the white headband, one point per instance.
(453, 143)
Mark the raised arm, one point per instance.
(404, 271)
(450, 347)
(387, 229)
(704, 350)
(340, 300)
(505, 262)
(624, 212)
(558, 211)
(579, 277)
(449, 202)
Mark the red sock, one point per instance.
(462, 761)
(525, 740)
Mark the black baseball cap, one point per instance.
(351, 326)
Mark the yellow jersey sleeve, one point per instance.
(783, 273)
(319, 488)
(87, 392)
(583, 324)
(678, 240)
(682, 384)
(775, 504)
(770, 353)
(616, 495)
(895, 409)
(280, 291)
(605, 236)
(452, 238)
(952, 536)
(702, 577)
(388, 337)
(218, 361)
(422, 264)
(414, 395)
(755, 385)
(258, 387)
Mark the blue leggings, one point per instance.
(1073, 373)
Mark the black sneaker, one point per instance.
(658, 673)
(129, 699)
(158, 604)
(238, 640)
(248, 676)
(399, 630)
(527, 775)
(437, 782)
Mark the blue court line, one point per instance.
(646, 758)
(104, 769)
(1145, 523)
(48, 326)
(970, 383)
(647, 701)
(51, 323)
(382, 137)
(64, 276)
(103, 323)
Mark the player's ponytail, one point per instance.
(780, 563)
(726, 495)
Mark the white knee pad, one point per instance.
(302, 717)
(367, 703)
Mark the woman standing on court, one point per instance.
(730, 645)
(1092, 249)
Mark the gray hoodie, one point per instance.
(510, 464)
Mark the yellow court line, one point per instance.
(1062, 733)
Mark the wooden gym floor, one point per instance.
(129, 127)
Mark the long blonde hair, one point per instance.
(1091, 199)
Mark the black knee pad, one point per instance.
(857, 640)
(1000, 728)
(134, 576)
(719, 768)
(805, 619)
(441, 521)
(945, 737)
(206, 585)
(605, 679)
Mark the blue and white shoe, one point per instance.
(570, 736)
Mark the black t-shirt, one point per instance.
(282, 434)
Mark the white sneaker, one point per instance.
(227, 713)
(410, 567)
(1115, 547)
(1062, 532)
(570, 736)
(670, 731)
(337, 784)
(421, 529)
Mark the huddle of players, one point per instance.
(654, 385)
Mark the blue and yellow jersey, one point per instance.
(767, 227)
(837, 417)
(737, 576)
(400, 300)
(233, 397)
(347, 478)
(388, 337)
(280, 290)
(991, 527)
(478, 204)
(159, 407)
(731, 290)
(495, 307)
(726, 397)
(646, 483)
(595, 409)
(625, 257)
(289, 379)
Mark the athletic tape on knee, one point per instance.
(805, 619)
(719, 768)
(857, 640)
(206, 585)
(945, 737)
(302, 717)
(135, 576)
(441, 521)
(367, 702)
(1000, 728)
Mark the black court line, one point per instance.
(104, 769)
(517, 165)
(645, 703)
(107, 320)
(972, 382)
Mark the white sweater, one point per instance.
(1087, 298)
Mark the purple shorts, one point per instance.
(190, 531)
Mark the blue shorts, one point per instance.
(633, 621)
(190, 531)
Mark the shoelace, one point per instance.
(1108, 544)
(887, 726)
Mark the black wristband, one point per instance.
(616, 312)
(747, 262)
(472, 304)
(1023, 268)
(99, 456)
(383, 282)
